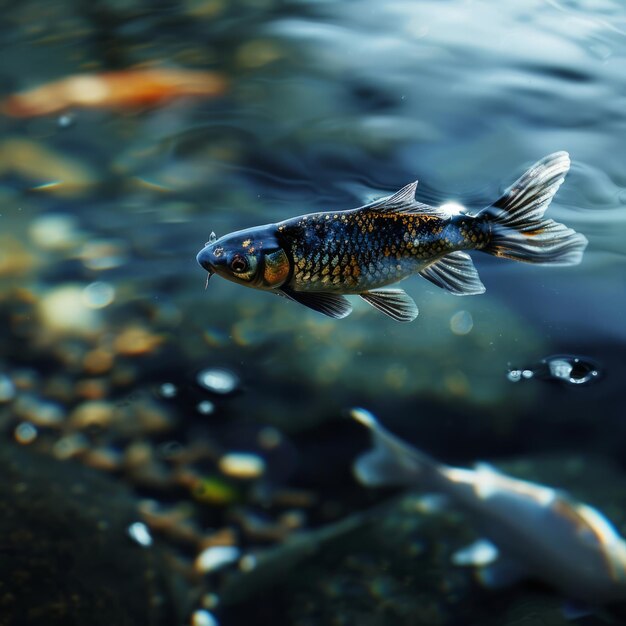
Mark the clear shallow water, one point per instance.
(328, 105)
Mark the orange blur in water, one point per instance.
(118, 90)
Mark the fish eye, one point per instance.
(239, 264)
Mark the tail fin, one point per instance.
(391, 461)
(519, 230)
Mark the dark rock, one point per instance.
(65, 553)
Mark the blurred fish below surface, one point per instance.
(532, 530)
(195, 439)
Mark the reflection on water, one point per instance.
(116, 358)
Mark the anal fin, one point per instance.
(455, 273)
(330, 304)
(395, 303)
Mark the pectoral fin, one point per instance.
(455, 273)
(392, 302)
(330, 304)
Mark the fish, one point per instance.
(319, 258)
(122, 89)
(531, 530)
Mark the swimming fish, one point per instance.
(532, 530)
(318, 258)
(123, 89)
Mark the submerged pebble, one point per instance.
(202, 617)
(168, 390)
(7, 389)
(104, 254)
(218, 380)
(98, 295)
(206, 407)
(216, 557)
(43, 413)
(140, 534)
(63, 310)
(242, 465)
(55, 231)
(25, 433)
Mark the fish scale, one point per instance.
(355, 251)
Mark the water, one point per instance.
(327, 105)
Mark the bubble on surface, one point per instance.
(514, 375)
(572, 370)
(461, 323)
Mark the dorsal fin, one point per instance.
(402, 201)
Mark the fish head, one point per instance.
(252, 257)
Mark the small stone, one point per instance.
(98, 295)
(106, 459)
(218, 380)
(92, 389)
(140, 534)
(66, 121)
(43, 413)
(92, 413)
(7, 389)
(202, 617)
(104, 254)
(168, 390)
(206, 407)
(25, 433)
(98, 361)
(215, 558)
(56, 232)
(70, 446)
(242, 465)
(136, 340)
(63, 310)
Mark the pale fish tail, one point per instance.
(391, 461)
(519, 230)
